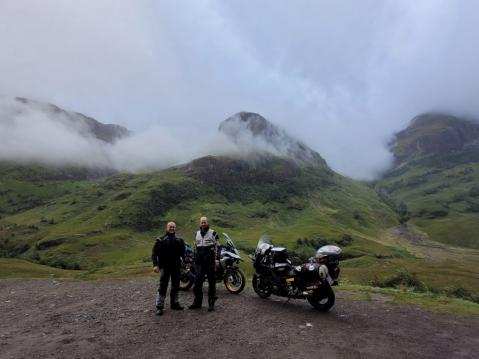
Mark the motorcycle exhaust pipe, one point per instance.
(310, 290)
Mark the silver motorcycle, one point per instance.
(228, 270)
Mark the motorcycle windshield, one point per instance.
(264, 243)
(230, 245)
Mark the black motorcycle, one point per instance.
(275, 274)
(227, 271)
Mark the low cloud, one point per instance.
(36, 132)
(341, 76)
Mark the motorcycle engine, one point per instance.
(223, 262)
(293, 291)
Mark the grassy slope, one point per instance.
(18, 268)
(442, 195)
(26, 186)
(437, 177)
(96, 227)
(78, 216)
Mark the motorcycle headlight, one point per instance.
(323, 271)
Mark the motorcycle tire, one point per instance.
(262, 291)
(323, 299)
(187, 279)
(234, 286)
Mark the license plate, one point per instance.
(289, 280)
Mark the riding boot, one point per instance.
(211, 303)
(175, 304)
(160, 302)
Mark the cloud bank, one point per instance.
(341, 76)
(36, 132)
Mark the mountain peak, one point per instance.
(245, 128)
(253, 122)
(14, 109)
(433, 134)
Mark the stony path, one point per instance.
(115, 319)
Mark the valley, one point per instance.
(414, 229)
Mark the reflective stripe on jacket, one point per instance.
(209, 239)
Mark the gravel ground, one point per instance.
(115, 319)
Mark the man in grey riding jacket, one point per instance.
(206, 248)
(166, 256)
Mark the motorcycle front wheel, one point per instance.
(234, 280)
(187, 279)
(262, 289)
(323, 298)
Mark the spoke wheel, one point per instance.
(234, 281)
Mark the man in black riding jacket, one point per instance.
(206, 249)
(166, 256)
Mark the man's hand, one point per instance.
(156, 269)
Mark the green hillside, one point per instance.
(107, 226)
(113, 220)
(25, 186)
(84, 223)
(436, 178)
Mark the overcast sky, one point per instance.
(340, 75)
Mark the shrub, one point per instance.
(50, 243)
(430, 191)
(62, 263)
(459, 197)
(472, 207)
(122, 196)
(474, 191)
(437, 214)
(400, 279)
(403, 212)
(345, 240)
(462, 293)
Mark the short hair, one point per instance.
(204, 218)
(169, 224)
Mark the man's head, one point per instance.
(204, 223)
(171, 227)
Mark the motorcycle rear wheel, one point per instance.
(264, 291)
(187, 279)
(323, 299)
(234, 280)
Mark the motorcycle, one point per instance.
(275, 274)
(227, 270)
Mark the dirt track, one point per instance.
(115, 319)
